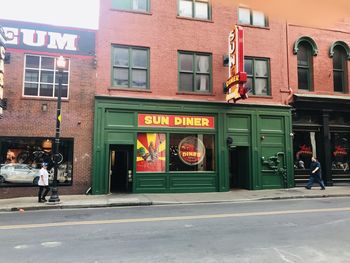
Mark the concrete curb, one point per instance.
(125, 202)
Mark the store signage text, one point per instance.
(38, 38)
(175, 121)
(191, 150)
(237, 76)
(45, 38)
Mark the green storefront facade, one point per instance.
(159, 146)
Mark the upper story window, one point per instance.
(340, 70)
(194, 72)
(130, 67)
(131, 5)
(305, 48)
(41, 77)
(305, 72)
(258, 76)
(251, 17)
(195, 9)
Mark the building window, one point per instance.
(340, 143)
(251, 17)
(192, 152)
(131, 5)
(195, 9)
(41, 77)
(130, 67)
(194, 72)
(258, 76)
(304, 56)
(151, 152)
(304, 148)
(340, 69)
(21, 159)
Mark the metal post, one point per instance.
(54, 196)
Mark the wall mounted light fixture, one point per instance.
(44, 107)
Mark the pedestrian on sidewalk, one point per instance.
(315, 174)
(43, 183)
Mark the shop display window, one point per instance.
(340, 151)
(304, 149)
(151, 152)
(192, 152)
(21, 159)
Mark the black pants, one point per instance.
(41, 189)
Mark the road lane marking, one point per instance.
(51, 244)
(170, 218)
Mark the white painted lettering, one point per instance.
(62, 41)
(11, 35)
(34, 38)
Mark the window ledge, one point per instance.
(195, 19)
(132, 11)
(260, 96)
(258, 27)
(129, 89)
(24, 97)
(194, 93)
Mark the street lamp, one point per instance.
(60, 65)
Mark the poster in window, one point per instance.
(151, 152)
(191, 150)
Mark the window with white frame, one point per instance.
(41, 77)
(247, 16)
(195, 9)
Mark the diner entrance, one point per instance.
(121, 168)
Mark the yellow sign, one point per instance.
(233, 94)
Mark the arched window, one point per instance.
(305, 72)
(340, 76)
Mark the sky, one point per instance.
(306, 12)
(84, 13)
(70, 13)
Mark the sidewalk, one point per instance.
(239, 195)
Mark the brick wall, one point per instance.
(25, 118)
(322, 63)
(165, 33)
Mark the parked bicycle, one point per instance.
(39, 156)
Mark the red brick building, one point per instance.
(162, 60)
(28, 125)
(150, 115)
(319, 76)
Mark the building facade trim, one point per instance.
(342, 44)
(308, 40)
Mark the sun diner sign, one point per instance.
(175, 121)
(237, 77)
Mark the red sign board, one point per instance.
(191, 150)
(237, 76)
(176, 121)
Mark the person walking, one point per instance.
(315, 174)
(43, 183)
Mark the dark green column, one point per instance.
(327, 158)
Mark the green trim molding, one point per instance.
(339, 43)
(252, 132)
(308, 40)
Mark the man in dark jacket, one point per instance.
(315, 174)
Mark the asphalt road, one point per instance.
(305, 230)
